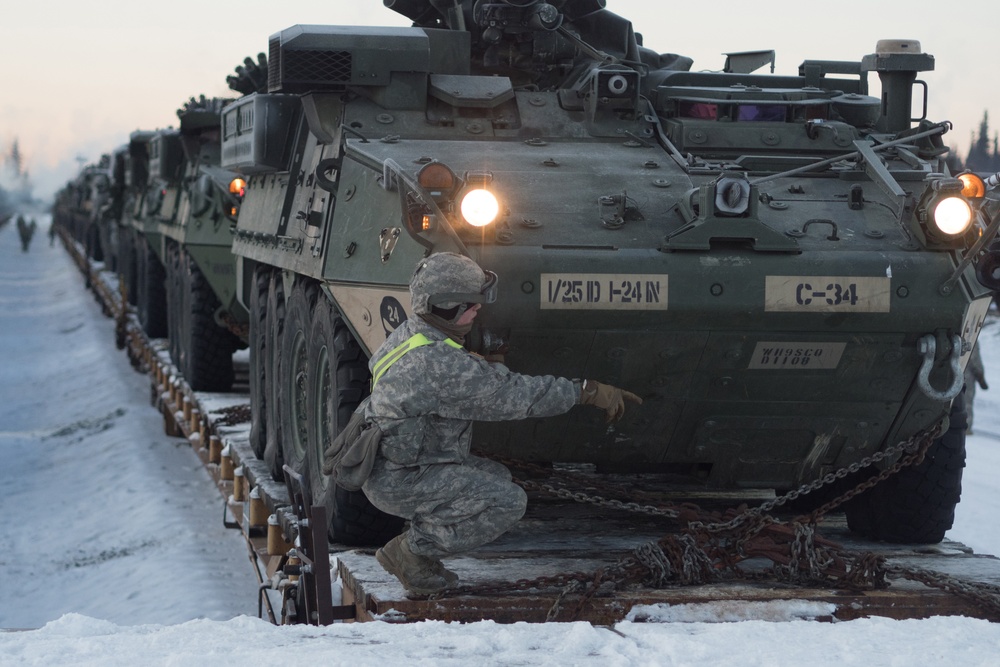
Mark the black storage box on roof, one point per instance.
(324, 57)
(255, 132)
(137, 171)
(166, 156)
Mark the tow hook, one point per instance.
(928, 348)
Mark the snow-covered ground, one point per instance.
(102, 513)
(112, 549)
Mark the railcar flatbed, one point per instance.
(554, 538)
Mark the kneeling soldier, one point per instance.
(426, 390)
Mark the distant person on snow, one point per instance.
(426, 391)
(25, 230)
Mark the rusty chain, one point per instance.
(580, 497)
(986, 595)
(916, 445)
(711, 546)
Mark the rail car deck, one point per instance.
(555, 537)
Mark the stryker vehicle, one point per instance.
(195, 211)
(158, 205)
(79, 204)
(130, 176)
(781, 266)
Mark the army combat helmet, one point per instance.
(446, 282)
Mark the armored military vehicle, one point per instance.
(780, 265)
(178, 209)
(130, 177)
(158, 205)
(79, 205)
(195, 211)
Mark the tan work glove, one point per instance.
(607, 398)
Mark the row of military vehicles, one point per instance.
(782, 266)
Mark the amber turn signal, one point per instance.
(972, 185)
(237, 187)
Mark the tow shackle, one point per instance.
(928, 348)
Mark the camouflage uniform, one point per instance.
(425, 404)
(426, 391)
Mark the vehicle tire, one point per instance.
(259, 378)
(126, 267)
(152, 292)
(293, 377)
(174, 299)
(109, 246)
(93, 243)
(917, 504)
(275, 318)
(205, 349)
(338, 381)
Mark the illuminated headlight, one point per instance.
(480, 208)
(952, 216)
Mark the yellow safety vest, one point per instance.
(394, 355)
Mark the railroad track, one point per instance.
(555, 542)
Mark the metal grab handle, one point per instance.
(928, 348)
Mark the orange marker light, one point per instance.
(237, 186)
(972, 185)
(436, 176)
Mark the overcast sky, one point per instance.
(78, 77)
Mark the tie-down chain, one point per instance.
(711, 545)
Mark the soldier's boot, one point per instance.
(418, 574)
(450, 577)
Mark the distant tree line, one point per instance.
(15, 184)
(983, 155)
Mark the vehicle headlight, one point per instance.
(952, 216)
(480, 207)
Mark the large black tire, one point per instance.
(151, 292)
(338, 381)
(175, 286)
(293, 377)
(205, 348)
(917, 504)
(108, 237)
(260, 387)
(126, 265)
(93, 243)
(275, 318)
